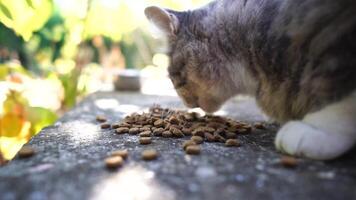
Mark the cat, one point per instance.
(296, 57)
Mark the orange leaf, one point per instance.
(12, 125)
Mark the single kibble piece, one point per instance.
(219, 138)
(101, 118)
(145, 134)
(193, 149)
(158, 131)
(145, 140)
(173, 120)
(115, 125)
(215, 125)
(105, 125)
(158, 123)
(149, 154)
(243, 130)
(259, 126)
(176, 132)
(124, 124)
(167, 134)
(288, 161)
(114, 162)
(145, 129)
(209, 137)
(197, 139)
(134, 131)
(187, 131)
(26, 152)
(122, 130)
(188, 143)
(209, 129)
(230, 135)
(122, 153)
(198, 131)
(232, 143)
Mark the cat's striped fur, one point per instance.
(295, 56)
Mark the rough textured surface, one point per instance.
(69, 163)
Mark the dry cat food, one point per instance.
(114, 162)
(259, 125)
(122, 153)
(232, 143)
(145, 140)
(149, 154)
(101, 118)
(188, 143)
(26, 152)
(193, 149)
(105, 125)
(169, 123)
(288, 161)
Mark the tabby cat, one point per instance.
(296, 57)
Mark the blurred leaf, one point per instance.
(9, 146)
(39, 118)
(15, 103)
(11, 125)
(29, 2)
(5, 11)
(70, 85)
(4, 71)
(25, 19)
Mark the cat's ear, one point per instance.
(164, 20)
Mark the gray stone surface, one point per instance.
(69, 162)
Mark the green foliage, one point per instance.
(70, 85)
(25, 16)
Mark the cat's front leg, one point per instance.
(322, 135)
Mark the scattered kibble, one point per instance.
(115, 125)
(134, 131)
(209, 137)
(176, 132)
(197, 139)
(188, 143)
(232, 143)
(158, 132)
(149, 154)
(145, 134)
(158, 123)
(259, 125)
(288, 161)
(167, 134)
(193, 149)
(26, 152)
(143, 129)
(169, 123)
(122, 153)
(230, 135)
(122, 130)
(105, 125)
(114, 162)
(101, 118)
(145, 140)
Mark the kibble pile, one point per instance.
(168, 123)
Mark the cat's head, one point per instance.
(195, 68)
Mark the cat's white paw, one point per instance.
(301, 139)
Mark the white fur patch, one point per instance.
(322, 135)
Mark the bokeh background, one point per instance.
(55, 52)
